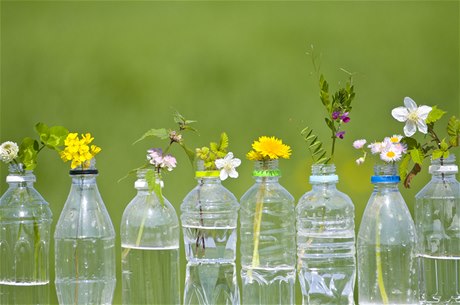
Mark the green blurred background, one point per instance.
(119, 68)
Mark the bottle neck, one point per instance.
(266, 171)
(323, 176)
(20, 179)
(84, 181)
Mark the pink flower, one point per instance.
(169, 162)
(155, 156)
(358, 144)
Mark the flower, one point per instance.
(254, 155)
(340, 134)
(358, 144)
(270, 148)
(376, 147)
(169, 162)
(360, 160)
(8, 151)
(78, 151)
(155, 156)
(396, 138)
(345, 118)
(415, 117)
(390, 154)
(227, 166)
(335, 115)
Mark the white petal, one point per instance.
(410, 104)
(220, 163)
(223, 175)
(229, 156)
(421, 125)
(423, 111)
(235, 162)
(410, 128)
(233, 173)
(400, 114)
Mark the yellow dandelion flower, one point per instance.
(253, 155)
(271, 148)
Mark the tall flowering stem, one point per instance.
(338, 108)
(264, 149)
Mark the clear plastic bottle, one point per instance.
(386, 245)
(437, 221)
(25, 220)
(150, 249)
(209, 218)
(268, 247)
(326, 241)
(84, 245)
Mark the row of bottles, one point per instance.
(390, 247)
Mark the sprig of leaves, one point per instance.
(50, 137)
(213, 152)
(434, 146)
(318, 153)
(174, 136)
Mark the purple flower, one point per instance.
(340, 134)
(335, 115)
(344, 117)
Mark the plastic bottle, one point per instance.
(209, 218)
(386, 245)
(437, 221)
(150, 249)
(268, 247)
(84, 245)
(326, 241)
(25, 220)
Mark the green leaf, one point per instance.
(434, 115)
(443, 145)
(28, 153)
(190, 154)
(404, 167)
(417, 155)
(437, 153)
(150, 177)
(213, 147)
(410, 142)
(453, 130)
(161, 133)
(223, 144)
(43, 132)
(57, 136)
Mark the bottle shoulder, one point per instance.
(270, 192)
(209, 196)
(333, 199)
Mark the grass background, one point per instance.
(119, 68)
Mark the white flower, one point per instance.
(227, 166)
(8, 151)
(358, 144)
(390, 154)
(396, 138)
(360, 161)
(415, 117)
(377, 147)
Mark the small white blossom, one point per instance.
(377, 147)
(8, 151)
(415, 117)
(227, 166)
(390, 154)
(360, 161)
(358, 144)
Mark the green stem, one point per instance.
(378, 260)
(141, 231)
(257, 224)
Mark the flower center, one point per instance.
(394, 140)
(413, 116)
(390, 154)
